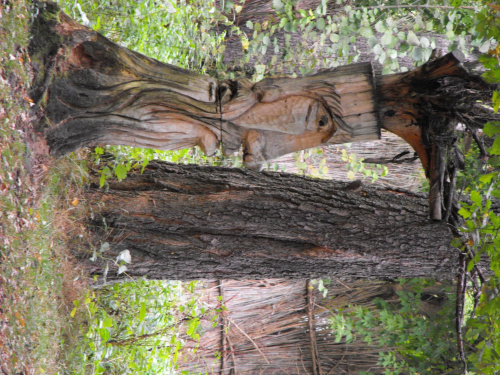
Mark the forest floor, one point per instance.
(38, 202)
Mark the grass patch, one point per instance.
(38, 277)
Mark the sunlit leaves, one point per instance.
(412, 39)
(134, 326)
(277, 5)
(355, 166)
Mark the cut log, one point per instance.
(424, 107)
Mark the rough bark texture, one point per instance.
(97, 92)
(189, 222)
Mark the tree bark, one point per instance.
(190, 222)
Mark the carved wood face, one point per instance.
(291, 115)
(287, 125)
(279, 116)
(105, 94)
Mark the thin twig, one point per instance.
(250, 339)
(383, 7)
(479, 142)
(444, 7)
(450, 196)
(312, 337)
(341, 283)
(232, 354)
(461, 285)
(477, 291)
(338, 364)
(223, 332)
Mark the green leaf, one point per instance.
(492, 75)
(334, 38)
(105, 173)
(476, 198)
(142, 312)
(387, 39)
(366, 31)
(417, 54)
(489, 62)
(104, 333)
(121, 171)
(320, 24)
(124, 256)
(107, 322)
(486, 178)
(425, 43)
(380, 26)
(464, 213)
(412, 39)
(496, 101)
(249, 24)
(277, 4)
(495, 149)
(485, 46)
(471, 265)
(491, 128)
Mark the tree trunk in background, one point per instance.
(190, 222)
(262, 11)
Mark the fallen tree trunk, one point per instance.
(190, 222)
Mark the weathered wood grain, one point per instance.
(101, 93)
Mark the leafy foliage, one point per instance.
(337, 33)
(481, 230)
(176, 32)
(358, 166)
(37, 277)
(481, 238)
(134, 327)
(180, 33)
(420, 343)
